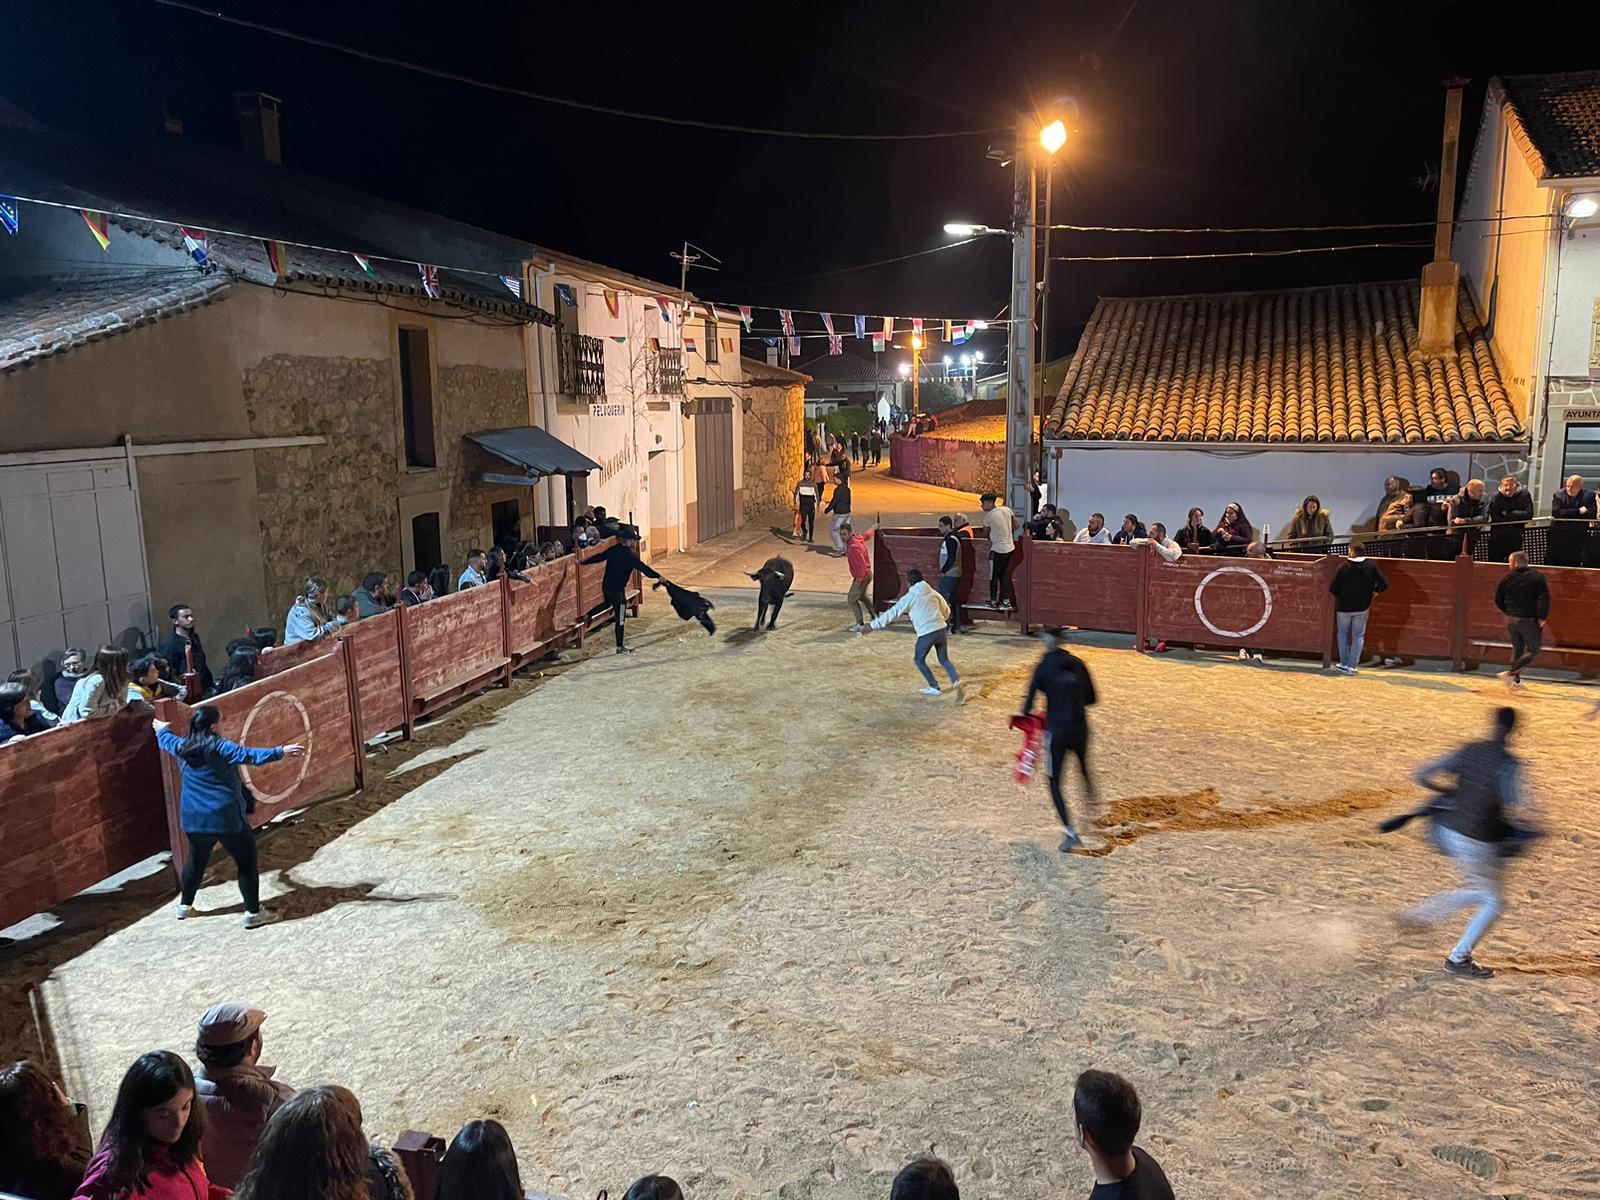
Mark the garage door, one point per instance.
(713, 449)
(72, 552)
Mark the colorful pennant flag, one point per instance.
(827, 323)
(613, 302)
(194, 241)
(655, 345)
(275, 256)
(861, 327)
(9, 213)
(688, 344)
(619, 337)
(949, 329)
(365, 264)
(727, 345)
(513, 285)
(877, 343)
(963, 332)
(835, 343)
(666, 312)
(430, 279)
(786, 319)
(794, 347)
(99, 225)
(916, 326)
(568, 296)
(770, 341)
(888, 329)
(744, 315)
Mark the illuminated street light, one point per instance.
(905, 369)
(1579, 207)
(1053, 136)
(947, 360)
(916, 341)
(962, 229)
(966, 360)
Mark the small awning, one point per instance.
(534, 450)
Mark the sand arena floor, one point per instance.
(750, 911)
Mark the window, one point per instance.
(426, 552)
(711, 340)
(1581, 454)
(505, 517)
(416, 397)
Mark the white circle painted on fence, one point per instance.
(1200, 608)
(305, 759)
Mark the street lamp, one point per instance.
(961, 229)
(1052, 137)
(1580, 208)
(916, 374)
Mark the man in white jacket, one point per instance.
(1094, 533)
(930, 617)
(1160, 543)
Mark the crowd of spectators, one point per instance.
(230, 1127)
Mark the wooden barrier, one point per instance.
(1571, 640)
(1090, 587)
(1260, 604)
(77, 805)
(455, 645)
(1416, 617)
(380, 672)
(896, 551)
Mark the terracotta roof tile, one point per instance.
(41, 317)
(1561, 115)
(1331, 364)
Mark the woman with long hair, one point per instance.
(1194, 536)
(313, 1149)
(481, 1164)
(499, 565)
(103, 692)
(439, 581)
(241, 669)
(1234, 533)
(1310, 529)
(213, 807)
(42, 1154)
(151, 1147)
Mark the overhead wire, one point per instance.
(1280, 253)
(1226, 229)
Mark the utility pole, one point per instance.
(916, 374)
(1019, 342)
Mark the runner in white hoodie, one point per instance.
(930, 617)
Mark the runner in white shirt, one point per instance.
(930, 617)
(1001, 523)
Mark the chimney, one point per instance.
(772, 356)
(1441, 278)
(258, 125)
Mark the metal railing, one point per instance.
(581, 365)
(1547, 541)
(664, 372)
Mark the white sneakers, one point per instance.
(258, 918)
(181, 910)
(931, 691)
(855, 629)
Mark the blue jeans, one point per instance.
(939, 642)
(947, 588)
(1481, 869)
(1352, 634)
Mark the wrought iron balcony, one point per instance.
(581, 365)
(664, 372)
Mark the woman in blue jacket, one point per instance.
(213, 807)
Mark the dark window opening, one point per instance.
(426, 551)
(711, 341)
(416, 397)
(506, 518)
(1581, 454)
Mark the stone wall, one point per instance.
(976, 467)
(774, 446)
(470, 399)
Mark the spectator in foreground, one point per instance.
(72, 670)
(415, 591)
(30, 685)
(42, 1151)
(926, 1178)
(481, 1164)
(439, 582)
(1353, 586)
(1509, 508)
(308, 620)
(237, 1092)
(17, 718)
(1523, 595)
(314, 1149)
(184, 645)
(1132, 528)
(477, 560)
(1106, 1113)
(1233, 533)
(151, 1147)
(372, 597)
(654, 1187)
(1158, 541)
(1194, 537)
(212, 806)
(1094, 533)
(101, 693)
(243, 665)
(1310, 529)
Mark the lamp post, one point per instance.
(916, 374)
(1052, 137)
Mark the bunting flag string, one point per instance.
(744, 315)
(613, 301)
(877, 343)
(888, 329)
(949, 330)
(430, 280)
(827, 323)
(568, 296)
(688, 344)
(727, 345)
(916, 326)
(99, 225)
(835, 343)
(666, 310)
(786, 319)
(794, 347)
(8, 215)
(513, 285)
(861, 327)
(619, 337)
(365, 264)
(963, 332)
(194, 241)
(275, 256)
(655, 345)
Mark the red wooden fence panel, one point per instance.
(543, 610)
(77, 805)
(1261, 604)
(1416, 616)
(896, 551)
(1090, 587)
(454, 641)
(280, 658)
(1571, 640)
(380, 683)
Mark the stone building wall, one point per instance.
(774, 446)
(964, 466)
(473, 398)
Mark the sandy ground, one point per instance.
(750, 911)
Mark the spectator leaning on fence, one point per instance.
(1158, 541)
(101, 693)
(373, 597)
(308, 620)
(439, 582)
(1392, 506)
(416, 589)
(1132, 528)
(1311, 522)
(144, 679)
(477, 560)
(184, 644)
(17, 718)
(1194, 536)
(1509, 508)
(1234, 532)
(243, 664)
(1094, 532)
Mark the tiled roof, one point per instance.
(40, 317)
(1329, 364)
(847, 368)
(1561, 115)
(760, 370)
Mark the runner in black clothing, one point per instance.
(1068, 691)
(621, 561)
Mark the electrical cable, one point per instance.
(1289, 228)
(1237, 253)
(545, 98)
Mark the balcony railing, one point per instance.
(664, 372)
(581, 365)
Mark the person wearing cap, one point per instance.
(1068, 690)
(239, 1095)
(621, 560)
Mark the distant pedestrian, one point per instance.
(1001, 523)
(1106, 1114)
(1353, 586)
(1524, 597)
(876, 441)
(805, 499)
(950, 569)
(839, 506)
(1068, 689)
(930, 618)
(183, 647)
(1478, 784)
(859, 560)
(622, 560)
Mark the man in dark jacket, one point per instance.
(621, 560)
(1524, 597)
(1508, 509)
(950, 568)
(839, 505)
(1353, 586)
(1573, 507)
(186, 638)
(1068, 691)
(1478, 783)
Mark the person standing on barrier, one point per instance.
(1524, 597)
(1068, 688)
(950, 569)
(1353, 587)
(1510, 509)
(1478, 785)
(1001, 523)
(213, 806)
(621, 560)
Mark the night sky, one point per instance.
(1244, 113)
